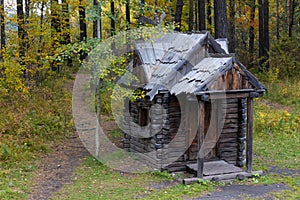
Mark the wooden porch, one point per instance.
(218, 170)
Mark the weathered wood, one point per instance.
(228, 140)
(222, 177)
(232, 116)
(230, 130)
(229, 144)
(229, 149)
(229, 95)
(232, 110)
(249, 134)
(231, 121)
(215, 168)
(228, 135)
(200, 158)
(230, 126)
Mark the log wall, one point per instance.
(231, 145)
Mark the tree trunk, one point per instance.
(232, 27)
(266, 33)
(21, 32)
(221, 21)
(66, 39)
(55, 21)
(290, 16)
(191, 16)
(277, 20)
(2, 30)
(263, 34)
(201, 14)
(82, 21)
(97, 23)
(27, 12)
(208, 13)
(252, 33)
(178, 14)
(196, 22)
(170, 12)
(38, 73)
(112, 19)
(127, 14)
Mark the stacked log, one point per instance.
(231, 146)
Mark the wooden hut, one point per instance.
(197, 113)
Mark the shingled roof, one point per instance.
(184, 63)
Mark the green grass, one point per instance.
(95, 181)
(276, 137)
(285, 92)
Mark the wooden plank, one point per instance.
(200, 158)
(230, 130)
(228, 135)
(215, 168)
(223, 177)
(249, 134)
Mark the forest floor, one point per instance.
(56, 172)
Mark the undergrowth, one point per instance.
(29, 125)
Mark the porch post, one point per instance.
(200, 157)
(249, 134)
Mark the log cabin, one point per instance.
(197, 114)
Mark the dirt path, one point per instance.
(57, 167)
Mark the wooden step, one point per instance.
(214, 168)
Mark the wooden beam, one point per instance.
(249, 134)
(224, 177)
(225, 91)
(200, 158)
(228, 95)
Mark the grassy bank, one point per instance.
(29, 126)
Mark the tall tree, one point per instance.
(2, 29)
(170, 12)
(196, 22)
(221, 21)
(178, 14)
(127, 11)
(27, 12)
(55, 22)
(82, 21)
(21, 32)
(97, 23)
(252, 32)
(290, 4)
(277, 20)
(191, 15)
(201, 14)
(232, 26)
(264, 43)
(208, 14)
(66, 38)
(266, 33)
(112, 18)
